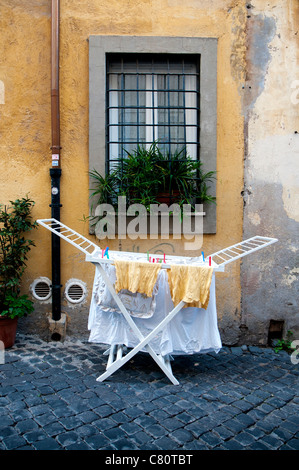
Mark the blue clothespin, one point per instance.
(106, 252)
(203, 256)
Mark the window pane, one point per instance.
(156, 99)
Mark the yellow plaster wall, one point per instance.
(26, 121)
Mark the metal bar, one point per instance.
(111, 355)
(134, 124)
(252, 238)
(265, 241)
(235, 253)
(94, 256)
(169, 116)
(184, 102)
(164, 90)
(225, 254)
(153, 107)
(153, 103)
(122, 86)
(194, 74)
(145, 142)
(144, 342)
(119, 352)
(137, 101)
(45, 223)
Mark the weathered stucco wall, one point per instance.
(271, 181)
(26, 133)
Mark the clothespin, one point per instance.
(210, 261)
(203, 256)
(106, 252)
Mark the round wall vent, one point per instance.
(41, 289)
(75, 291)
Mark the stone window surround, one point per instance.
(99, 46)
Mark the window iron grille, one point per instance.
(151, 99)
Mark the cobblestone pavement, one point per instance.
(240, 398)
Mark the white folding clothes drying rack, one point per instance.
(93, 253)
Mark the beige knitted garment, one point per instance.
(136, 277)
(190, 284)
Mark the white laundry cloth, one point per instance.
(192, 330)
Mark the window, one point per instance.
(145, 89)
(151, 98)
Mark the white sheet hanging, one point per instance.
(137, 304)
(193, 330)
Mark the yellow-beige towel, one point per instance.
(190, 284)
(136, 277)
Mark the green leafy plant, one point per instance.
(137, 178)
(15, 221)
(148, 176)
(17, 306)
(184, 179)
(284, 344)
(105, 188)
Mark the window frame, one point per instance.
(100, 46)
(180, 70)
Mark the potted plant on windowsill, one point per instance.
(15, 221)
(137, 177)
(147, 176)
(182, 179)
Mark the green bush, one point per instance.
(15, 222)
(146, 173)
(284, 344)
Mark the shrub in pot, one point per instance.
(182, 179)
(148, 176)
(15, 222)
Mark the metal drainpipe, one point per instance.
(55, 171)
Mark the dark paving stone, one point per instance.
(47, 444)
(14, 442)
(242, 398)
(68, 438)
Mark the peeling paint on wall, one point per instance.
(289, 279)
(271, 169)
(260, 32)
(279, 164)
(254, 218)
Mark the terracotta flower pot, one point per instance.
(166, 198)
(8, 329)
